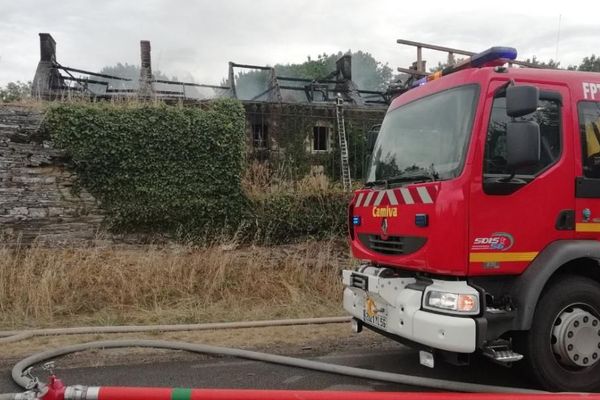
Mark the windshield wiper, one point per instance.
(378, 182)
(400, 178)
(422, 174)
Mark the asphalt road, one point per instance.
(234, 373)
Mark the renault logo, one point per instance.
(384, 229)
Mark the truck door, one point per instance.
(587, 187)
(514, 216)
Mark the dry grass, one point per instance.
(260, 180)
(54, 287)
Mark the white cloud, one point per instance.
(197, 39)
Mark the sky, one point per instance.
(195, 39)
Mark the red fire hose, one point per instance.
(55, 390)
(138, 393)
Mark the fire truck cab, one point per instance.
(478, 227)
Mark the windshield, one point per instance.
(425, 139)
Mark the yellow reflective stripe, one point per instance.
(587, 227)
(511, 256)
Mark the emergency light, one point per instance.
(491, 57)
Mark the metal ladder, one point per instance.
(341, 129)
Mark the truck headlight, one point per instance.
(457, 303)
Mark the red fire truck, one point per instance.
(478, 227)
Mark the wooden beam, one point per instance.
(421, 45)
(434, 47)
(411, 71)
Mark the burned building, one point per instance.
(304, 137)
(303, 125)
(308, 125)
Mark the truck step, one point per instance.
(495, 310)
(502, 353)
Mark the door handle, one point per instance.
(565, 220)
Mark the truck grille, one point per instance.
(392, 244)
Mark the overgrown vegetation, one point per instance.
(181, 172)
(157, 168)
(178, 171)
(287, 210)
(178, 284)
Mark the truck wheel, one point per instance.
(563, 345)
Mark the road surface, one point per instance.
(183, 370)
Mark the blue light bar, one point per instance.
(420, 82)
(356, 220)
(501, 54)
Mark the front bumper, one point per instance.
(393, 305)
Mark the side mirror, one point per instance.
(522, 144)
(521, 100)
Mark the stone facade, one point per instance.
(37, 200)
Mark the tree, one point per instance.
(130, 71)
(127, 71)
(591, 63)
(367, 73)
(15, 91)
(546, 64)
(440, 65)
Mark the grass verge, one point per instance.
(42, 287)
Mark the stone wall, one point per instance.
(37, 200)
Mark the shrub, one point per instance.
(283, 217)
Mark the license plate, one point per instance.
(373, 315)
(379, 321)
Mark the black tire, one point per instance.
(541, 360)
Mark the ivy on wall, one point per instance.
(177, 170)
(290, 135)
(157, 167)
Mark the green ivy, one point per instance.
(157, 167)
(177, 170)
